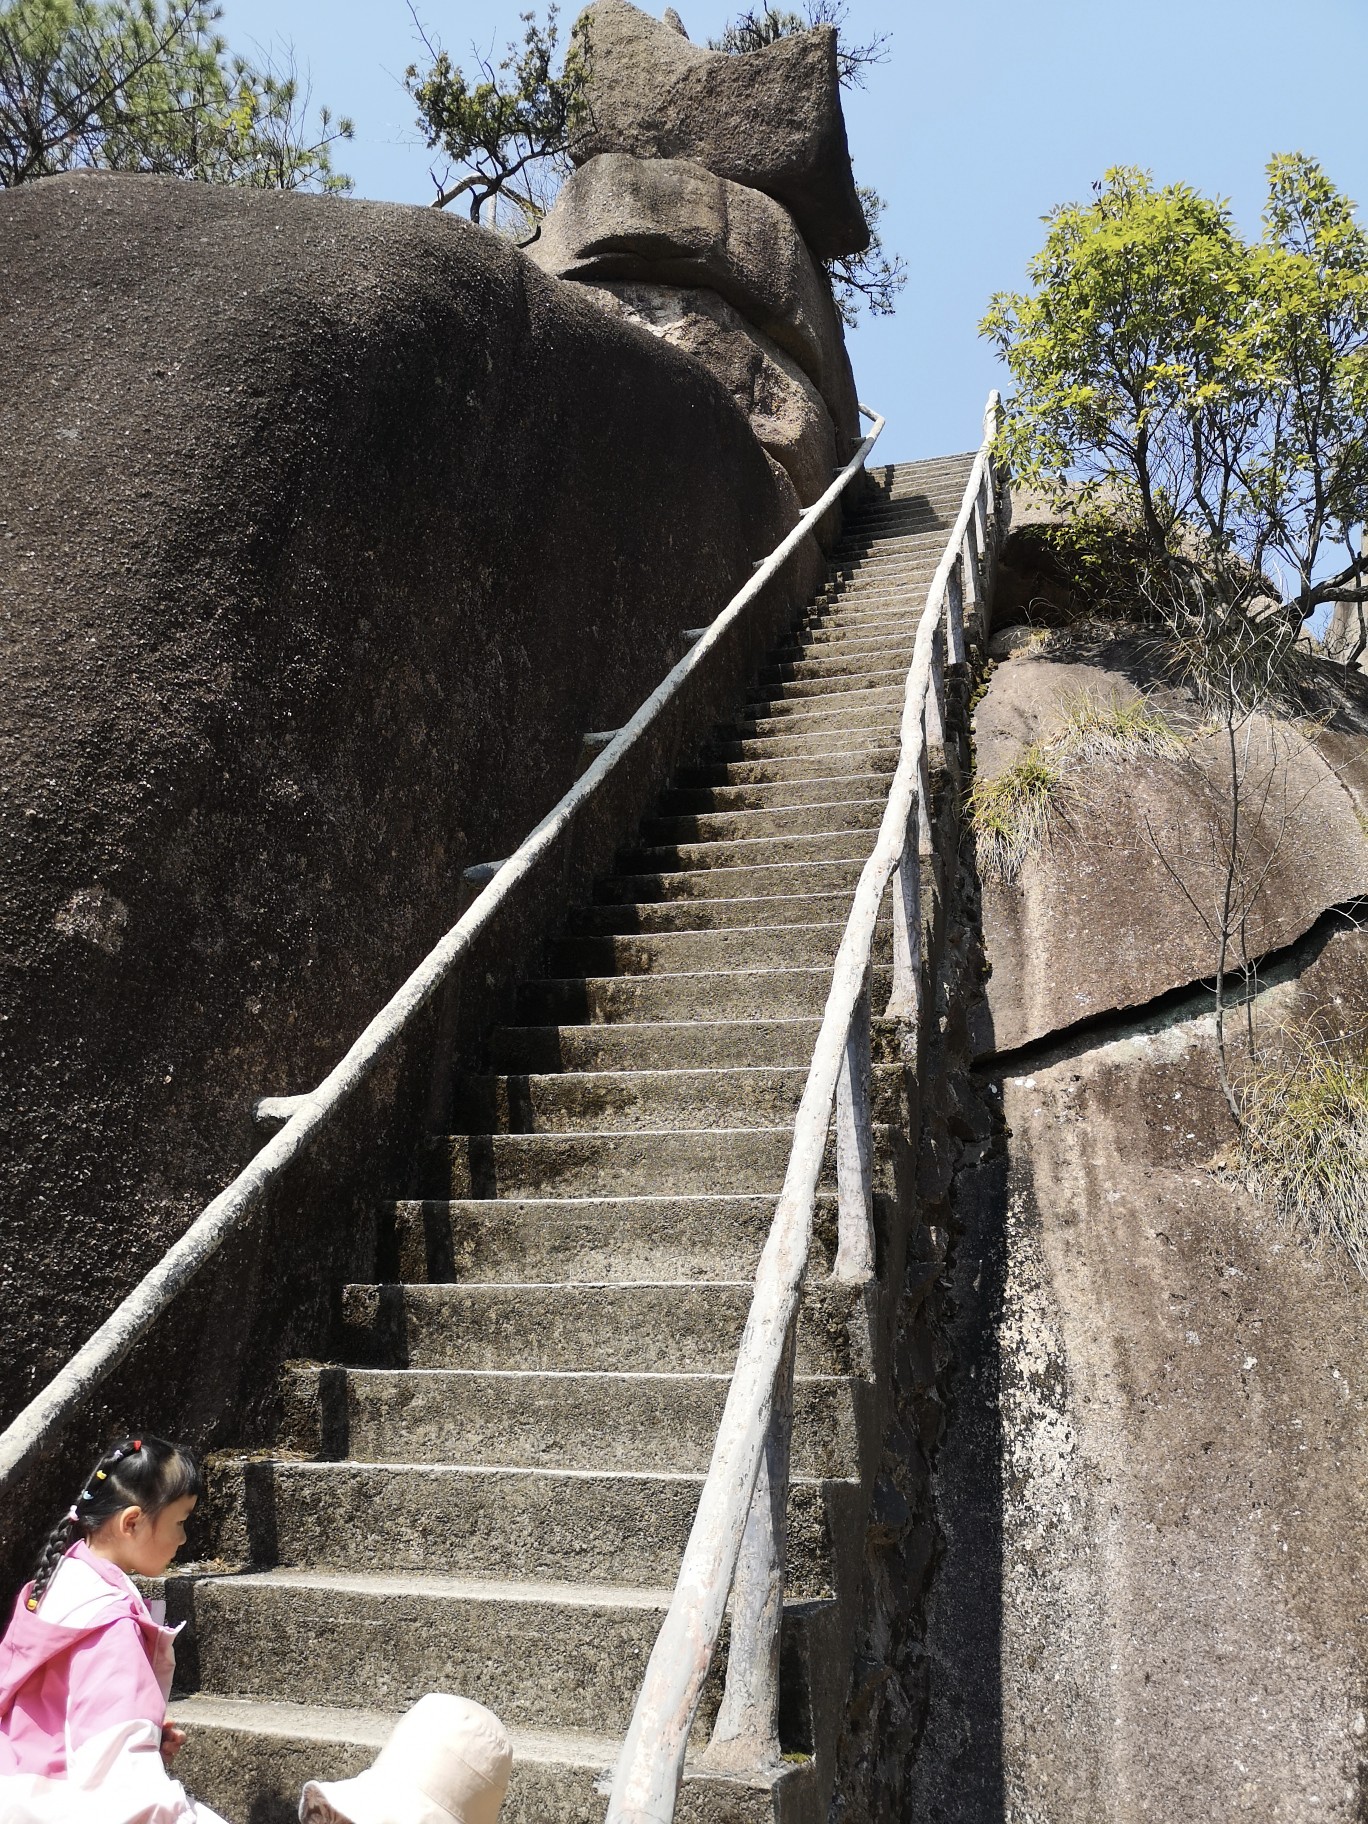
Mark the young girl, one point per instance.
(85, 1666)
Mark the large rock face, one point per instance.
(1148, 1601)
(672, 222)
(1150, 1595)
(770, 119)
(784, 407)
(1117, 908)
(329, 528)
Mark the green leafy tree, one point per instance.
(1212, 394)
(1217, 387)
(148, 85)
(505, 136)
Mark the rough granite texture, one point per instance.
(784, 407)
(1150, 1603)
(1148, 1600)
(770, 118)
(1097, 919)
(328, 528)
(673, 222)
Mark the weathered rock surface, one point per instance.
(328, 529)
(1345, 633)
(672, 222)
(770, 118)
(1149, 1604)
(784, 407)
(1104, 916)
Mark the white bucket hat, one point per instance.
(447, 1761)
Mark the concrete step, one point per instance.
(826, 672)
(849, 836)
(932, 525)
(595, 1239)
(845, 810)
(882, 613)
(248, 1759)
(680, 1327)
(677, 952)
(534, 1525)
(612, 1162)
(837, 786)
(879, 575)
(687, 1044)
(825, 698)
(721, 994)
(699, 915)
(606, 1101)
(601, 1423)
(888, 608)
(858, 758)
(788, 880)
(888, 542)
(874, 714)
(850, 649)
(538, 1654)
(783, 741)
(745, 946)
(911, 559)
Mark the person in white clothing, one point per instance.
(447, 1761)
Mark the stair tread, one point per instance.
(490, 1472)
(451, 1589)
(371, 1728)
(581, 1749)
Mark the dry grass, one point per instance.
(1305, 1143)
(1011, 814)
(1092, 728)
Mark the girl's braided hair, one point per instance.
(133, 1472)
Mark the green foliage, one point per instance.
(505, 134)
(1217, 389)
(1095, 553)
(872, 278)
(1304, 1142)
(1011, 815)
(148, 85)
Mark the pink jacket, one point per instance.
(83, 1687)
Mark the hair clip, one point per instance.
(100, 1475)
(137, 1443)
(32, 1602)
(72, 1515)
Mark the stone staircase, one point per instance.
(491, 1495)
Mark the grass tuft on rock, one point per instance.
(1305, 1143)
(1012, 813)
(1093, 728)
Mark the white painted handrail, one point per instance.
(758, 1404)
(69, 1391)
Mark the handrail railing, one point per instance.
(44, 1418)
(736, 1545)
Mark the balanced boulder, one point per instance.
(784, 407)
(770, 119)
(673, 222)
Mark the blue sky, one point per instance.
(985, 115)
